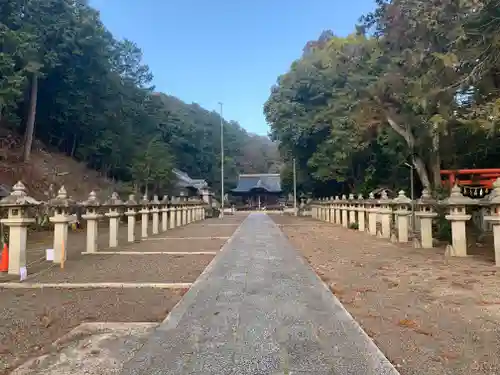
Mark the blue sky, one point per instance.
(230, 51)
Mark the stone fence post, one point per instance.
(360, 207)
(372, 214)
(343, 208)
(164, 213)
(352, 210)
(155, 210)
(144, 216)
(131, 212)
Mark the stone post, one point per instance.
(113, 204)
(344, 206)
(164, 213)
(494, 218)
(61, 219)
(178, 221)
(189, 218)
(144, 216)
(331, 212)
(457, 204)
(372, 214)
(336, 213)
(155, 210)
(403, 205)
(361, 213)
(352, 209)
(17, 220)
(91, 216)
(173, 213)
(184, 214)
(425, 214)
(131, 212)
(385, 212)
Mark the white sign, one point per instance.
(49, 254)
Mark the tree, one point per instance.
(352, 110)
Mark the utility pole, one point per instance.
(294, 188)
(221, 162)
(412, 196)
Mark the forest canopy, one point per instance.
(416, 83)
(65, 80)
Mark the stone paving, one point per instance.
(259, 309)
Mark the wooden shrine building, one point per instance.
(258, 191)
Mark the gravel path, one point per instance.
(33, 319)
(259, 309)
(429, 314)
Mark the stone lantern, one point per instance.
(372, 210)
(155, 210)
(113, 204)
(61, 205)
(91, 216)
(385, 212)
(458, 216)
(17, 203)
(131, 212)
(426, 214)
(164, 213)
(352, 209)
(494, 218)
(403, 211)
(144, 216)
(360, 207)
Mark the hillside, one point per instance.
(68, 84)
(47, 168)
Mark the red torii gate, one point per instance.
(474, 178)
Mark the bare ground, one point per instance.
(429, 314)
(33, 319)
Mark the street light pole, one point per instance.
(294, 188)
(221, 162)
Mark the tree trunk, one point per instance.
(73, 147)
(418, 162)
(30, 124)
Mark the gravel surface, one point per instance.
(128, 268)
(39, 241)
(179, 245)
(33, 319)
(429, 314)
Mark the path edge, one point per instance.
(375, 350)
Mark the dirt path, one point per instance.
(429, 314)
